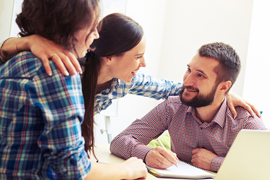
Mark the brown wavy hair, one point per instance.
(118, 34)
(57, 20)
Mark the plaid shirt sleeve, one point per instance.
(133, 140)
(148, 86)
(60, 100)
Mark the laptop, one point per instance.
(248, 157)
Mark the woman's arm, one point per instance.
(132, 168)
(235, 100)
(44, 49)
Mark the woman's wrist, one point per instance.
(13, 46)
(23, 43)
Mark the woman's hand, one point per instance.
(46, 49)
(135, 168)
(235, 100)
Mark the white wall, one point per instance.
(6, 9)
(256, 86)
(193, 23)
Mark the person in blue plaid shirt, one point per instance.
(41, 115)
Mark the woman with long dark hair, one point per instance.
(41, 115)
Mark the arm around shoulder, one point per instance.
(148, 86)
(133, 140)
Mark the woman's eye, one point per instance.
(199, 75)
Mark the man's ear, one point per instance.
(224, 86)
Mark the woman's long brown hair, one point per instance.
(118, 34)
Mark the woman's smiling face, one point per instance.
(125, 67)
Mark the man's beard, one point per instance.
(200, 100)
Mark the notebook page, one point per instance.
(184, 170)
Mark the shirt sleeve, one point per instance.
(61, 104)
(148, 86)
(133, 140)
(216, 163)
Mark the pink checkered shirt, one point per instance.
(186, 130)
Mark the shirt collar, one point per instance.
(218, 119)
(114, 86)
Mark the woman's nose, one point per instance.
(143, 64)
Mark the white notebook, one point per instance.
(184, 170)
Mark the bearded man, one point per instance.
(200, 123)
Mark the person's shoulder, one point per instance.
(174, 101)
(25, 65)
(19, 64)
(242, 112)
(174, 105)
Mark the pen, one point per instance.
(160, 144)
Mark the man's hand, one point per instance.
(160, 158)
(202, 158)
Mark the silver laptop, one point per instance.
(248, 157)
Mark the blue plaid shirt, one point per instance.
(142, 85)
(40, 127)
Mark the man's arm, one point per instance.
(132, 141)
(43, 49)
(206, 159)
